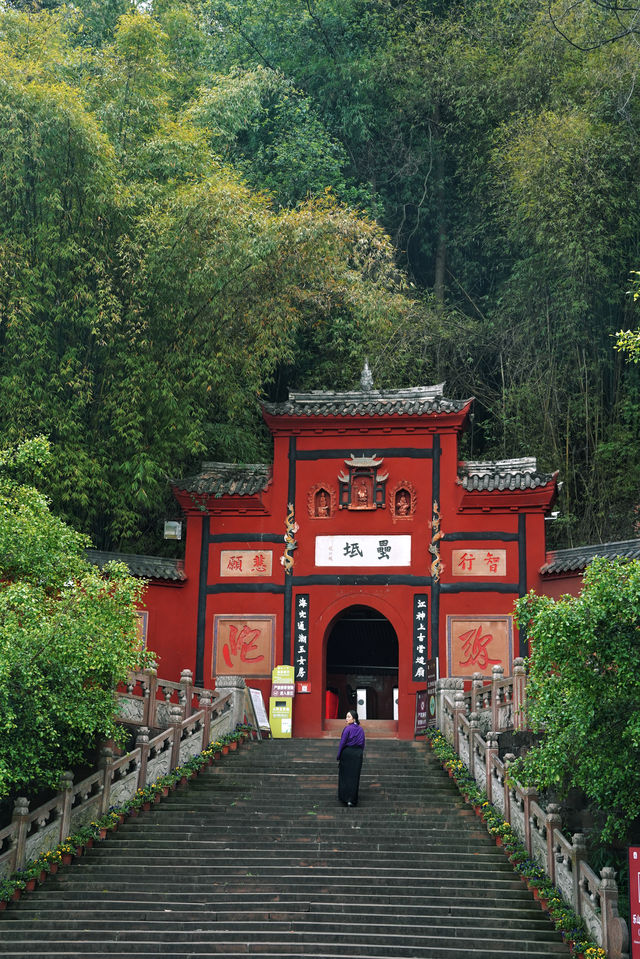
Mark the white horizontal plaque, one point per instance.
(346, 551)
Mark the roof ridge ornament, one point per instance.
(366, 377)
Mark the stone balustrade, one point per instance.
(594, 898)
(497, 702)
(191, 719)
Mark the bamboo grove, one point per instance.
(206, 203)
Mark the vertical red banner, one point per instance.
(634, 901)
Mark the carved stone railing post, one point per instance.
(615, 933)
(105, 763)
(474, 725)
(19, 818)
(206, 703)
(508, 759)
(519, 694)
(529, 794)
(142, 743)
(175, 722)
(459, 709)
(150, 697)
(552, 820)
(66, 790)
(578, 854)
(237, 686)
(476, 693)
(497, 678)
(186, 692)
(490, 752)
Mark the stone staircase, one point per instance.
(257, 857)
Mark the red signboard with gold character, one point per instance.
(476, 644)
(243, 645)
(634, 901)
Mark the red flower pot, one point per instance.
(42, 876)
(67, 858)
(225, 750)
(233, 745)
(217, 755)
(146, 806)
(498, 840)
(31, 885)
(53, 868)
(3, 904)
(15, 895)
(103, 832)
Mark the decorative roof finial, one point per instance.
(366, 379)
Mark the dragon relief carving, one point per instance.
(434, 546)
(289, 538)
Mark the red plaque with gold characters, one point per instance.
(475, 644)
(243, 645)
(245, 562)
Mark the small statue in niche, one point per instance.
(362, 495)
(322, 504)
(403, 503)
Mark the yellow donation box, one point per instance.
(281, 702)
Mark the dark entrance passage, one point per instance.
(362, 664)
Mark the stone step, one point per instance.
(256, 857)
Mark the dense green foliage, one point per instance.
(178, 237)
(68, 633)
(583, 692)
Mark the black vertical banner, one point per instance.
(301, 633)
(420, 637)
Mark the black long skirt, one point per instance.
(349, 774)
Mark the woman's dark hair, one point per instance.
(354, 713)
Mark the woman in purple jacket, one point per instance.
(350, 753)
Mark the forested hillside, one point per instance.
(205, 203)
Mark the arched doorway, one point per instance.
(362, 655)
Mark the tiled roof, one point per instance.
(577, 558)
(511, 474)
(147, 567)
(410, 402)
(226, 479)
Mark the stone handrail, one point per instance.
(32, 833)
(497, 701)
(594, 898)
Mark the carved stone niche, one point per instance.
(321, 501)
(402, 500)
(363, 487)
